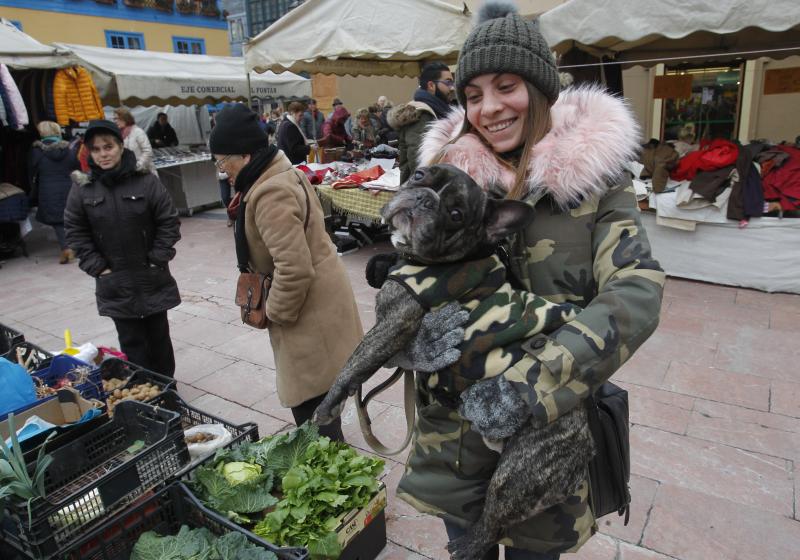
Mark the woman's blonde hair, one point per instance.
(48, 128)
(124, 114)
(538, 123)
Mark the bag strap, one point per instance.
(365, 422)
(240, 239)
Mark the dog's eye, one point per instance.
(456, 215)
(418, 175)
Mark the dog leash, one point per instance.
(365, 422)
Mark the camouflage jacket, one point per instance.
(500, 319)
(586, 245)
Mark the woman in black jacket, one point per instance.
(50, 164)
(291, 140)
(122, 225)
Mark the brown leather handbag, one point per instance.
(252, 288)
(251, 297)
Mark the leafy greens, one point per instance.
(197, 544)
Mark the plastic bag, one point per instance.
(86, 353)
(18, 388)
(198, 450)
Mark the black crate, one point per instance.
(95, 475)
(8, 338)
(114, 368)
(164, 512)
(369, 542)
(39, 358)
(191, 416)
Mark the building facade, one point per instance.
(181, 26)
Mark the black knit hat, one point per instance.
(101, 126)
(237, 131)
(503, 41)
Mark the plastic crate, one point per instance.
(61, 366)
(39, 358)
(164, 512)
(191, 416)
(8, 338)
(95, 475)
(114, 368)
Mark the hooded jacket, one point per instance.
(410, 120)
(75, 97)
(333, 131)
(586, 246)
(50, 166)
(131, 228)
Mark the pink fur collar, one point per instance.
(594, 134)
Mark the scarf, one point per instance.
(298, 127)
(247, 176)
(126, 130)
(109, 177)
(441, 108)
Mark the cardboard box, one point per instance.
(362, 532)
(65, 408)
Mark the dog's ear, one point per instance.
(503, 217)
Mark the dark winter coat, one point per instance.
(312, 124)
(161, 136)
(50, 165)
(410, 120)
(291, 142)
(131, 228)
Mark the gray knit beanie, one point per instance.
(502, 41)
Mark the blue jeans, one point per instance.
(454, 531)
(61, 235)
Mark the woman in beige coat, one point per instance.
(314, 323)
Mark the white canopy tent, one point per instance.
(138, 77)
(647, 30)
(360, 38)
(18, 50)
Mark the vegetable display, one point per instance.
(197, 544)
(294, 487)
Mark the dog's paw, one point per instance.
(466, 548)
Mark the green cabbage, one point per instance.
(239, 472)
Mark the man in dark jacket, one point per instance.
(161, 133)
(432, 101)
(123, 227)
(312, 122)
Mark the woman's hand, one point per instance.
(435, 345)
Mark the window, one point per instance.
(188, 45)
(124, 40)
(263, 13)
(16, 23)
(712, 109)
(236, 29)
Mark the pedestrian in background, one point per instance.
(122, 225)
(50, 163)
(291, 140)
(161, 134)
(313, 317)
(135, 140)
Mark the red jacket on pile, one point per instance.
(783, 183)
(714, 155)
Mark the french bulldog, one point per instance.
(441, 216)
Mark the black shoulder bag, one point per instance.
(610, 469)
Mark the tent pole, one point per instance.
(249, 92)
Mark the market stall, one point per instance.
(709, 79)
(105, 460)
(135, 78)
(360, 38)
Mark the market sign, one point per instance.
(675, 86)
(782, 80)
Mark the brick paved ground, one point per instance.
(715, 398)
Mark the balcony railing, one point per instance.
(199, 7)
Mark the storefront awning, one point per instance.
(360, 38)
(138, 77)
(18, 50)
(642, 30)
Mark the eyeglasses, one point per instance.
(219, 162)
(447, 83)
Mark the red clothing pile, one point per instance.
(782, 183)
(711, 156)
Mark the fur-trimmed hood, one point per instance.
(594, 134)
(407, 113)
(56, 151)
(80, 178)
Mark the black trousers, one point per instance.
(146, 342)
(304, 411)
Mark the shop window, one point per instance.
(712, 109)
(188, 45)
(124, 40)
